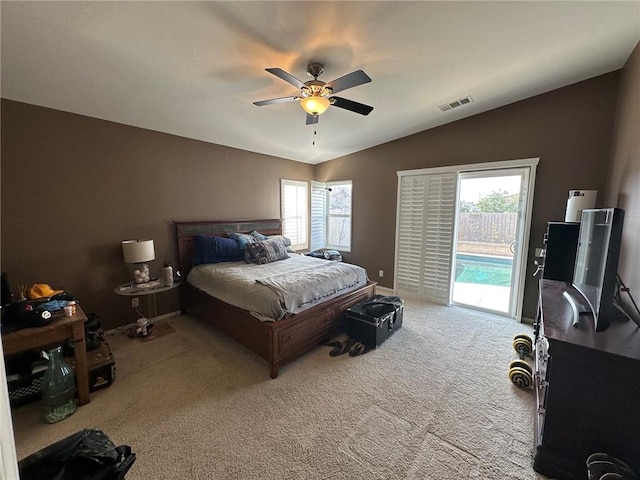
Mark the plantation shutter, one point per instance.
(318, 215)
(438, 242)
(294, 208)
(426, 214)
(410, 225)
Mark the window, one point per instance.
(318, 215)
(294, 210)
(331, 215)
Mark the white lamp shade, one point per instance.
(315, 105)
(138, 251)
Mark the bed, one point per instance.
(279, 341)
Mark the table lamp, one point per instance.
(137, 253)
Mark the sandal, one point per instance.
(359, 349)
(343, 347)
(335, 344)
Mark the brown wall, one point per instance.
(624, 183)
(74, 187)
(569, 129)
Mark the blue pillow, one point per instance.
(259, 237)
(216, 250)
(242, 238)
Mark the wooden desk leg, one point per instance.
(80, 354)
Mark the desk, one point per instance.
(56, 333)
(131, 290)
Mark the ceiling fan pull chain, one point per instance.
(314, 137)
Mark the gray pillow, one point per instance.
(260, 237)
(266, 251)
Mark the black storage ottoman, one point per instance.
(375, 319)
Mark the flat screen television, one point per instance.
(596, 268)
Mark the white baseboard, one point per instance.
(159, 318)
(167, 315)
(527, 320)
(383, 290)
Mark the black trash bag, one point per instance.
(85, 455)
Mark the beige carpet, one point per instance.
(433, 402)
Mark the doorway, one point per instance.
(489, 241)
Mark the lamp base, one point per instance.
(140, 273)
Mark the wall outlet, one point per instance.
(381, 273)
(135, 302)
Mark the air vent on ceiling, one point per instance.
(455, 103)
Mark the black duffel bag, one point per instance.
(85, 455)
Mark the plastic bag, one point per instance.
(85, 455)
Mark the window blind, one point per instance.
(410, 234)
(294, 207)
(426, 214)
(438, 241)
(318, 215)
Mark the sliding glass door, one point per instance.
(462, 234)
(488, 245)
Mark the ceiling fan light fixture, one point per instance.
(316, 96)
(315, 105)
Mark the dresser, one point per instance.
(586, 387)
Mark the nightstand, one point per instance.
(149, 290)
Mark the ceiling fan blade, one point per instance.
(287, 77)
(360, 108)
(349, 80)
(276, 100)
(311, 119)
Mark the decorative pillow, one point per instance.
(216, 250)
(258, 236)
(243, 239)
(267, 251)
(286, 241)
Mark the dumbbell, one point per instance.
(520, 372)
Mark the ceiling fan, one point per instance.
(316, 96)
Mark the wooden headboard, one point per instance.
(185, 231)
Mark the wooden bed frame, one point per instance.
(277, 342)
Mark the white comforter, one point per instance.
(278, 289)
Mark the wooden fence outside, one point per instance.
(486, 233)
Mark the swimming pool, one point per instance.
(483, 269)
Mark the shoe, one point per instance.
(343, 348)
(334, 344)
(359, 349)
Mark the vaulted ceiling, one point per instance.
(194, 69)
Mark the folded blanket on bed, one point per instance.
(246, 285)
(298, 290)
